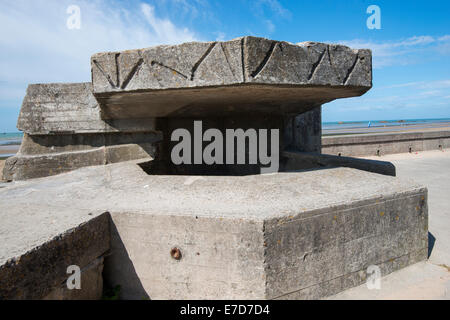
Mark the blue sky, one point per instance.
(411, 51)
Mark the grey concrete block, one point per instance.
(30, 271)
(242, 75)
(62, 108)
(61, 143)
(303, 132)
(23, 167)
(91, 285)
(47, 155)
(361, 235)
(64, 131)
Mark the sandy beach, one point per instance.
(7, 151)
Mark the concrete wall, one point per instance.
(330, 251)
(293, 160)
(304, 132)
(221, 258)
(379, 144)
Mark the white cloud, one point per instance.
(444, 38)
(405, 96)
(438, 84)
(430, 93)
(220, 36)
(270, 26)
(275, 6)
(414, 41)
(269, 11)
(36, 45)
(164, 28)
(404, 51)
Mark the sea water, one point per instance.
(11, 139)
(342, 126)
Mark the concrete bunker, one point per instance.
(241, 234)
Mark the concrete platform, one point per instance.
(287, 235)
(431, 279)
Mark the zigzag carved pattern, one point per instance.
(268, 56)
(138, 65)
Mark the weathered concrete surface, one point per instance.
(2, 164)
(69, 108)
(431, 279)
(304, 131)
(64, 131)
(23, 167)
(53, 144)
(386, 143)
(307, 160)
(338, 246)
(240, 237)
(222, 256)
(244, 75)
(39, 243)
(47, 155)
(91, 285)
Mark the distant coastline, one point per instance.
(383, 126)
(9, 144)
(400, 122)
